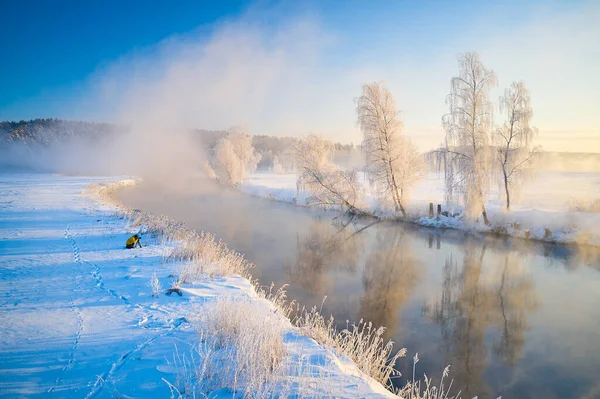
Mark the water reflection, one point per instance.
(462, 313)
(327, 245)
(475, 299)
(430, 237)
(572, 258)
(516, 300)
(390, 274)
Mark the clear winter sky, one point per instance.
(293, 68)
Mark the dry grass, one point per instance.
(361, 342)
(241, 350)
(198, 373)
(417, 389)
(201, 254)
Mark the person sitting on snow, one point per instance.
(133, 241)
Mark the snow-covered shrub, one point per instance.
(155, 285)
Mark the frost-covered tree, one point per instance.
(227, 165)
(468, 127)
(393, 162)
(284, 163)
(513, 139)
(327, 185)
(234, 158)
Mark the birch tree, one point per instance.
(393, 162)
(513, 139)
(468, 127)
(325, 182)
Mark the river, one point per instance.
(512, 318)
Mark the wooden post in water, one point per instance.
(439, 211)
(430, 210)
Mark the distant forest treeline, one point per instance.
(48, 132)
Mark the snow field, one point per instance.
(545, 211)
(80, 319)
(77, 317)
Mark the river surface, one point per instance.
(512, 318)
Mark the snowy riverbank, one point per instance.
(548, 210)
(79, 319)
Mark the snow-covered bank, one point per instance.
(549, 210)
(79, 319)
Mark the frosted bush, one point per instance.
(155, 285)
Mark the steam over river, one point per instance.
(510, 317)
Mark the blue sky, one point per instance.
(54, 43)
(294, 67)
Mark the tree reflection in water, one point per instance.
(326, 247)
(475, 299)
(516, 299)
(390, 274)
